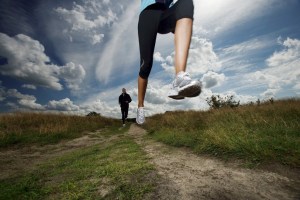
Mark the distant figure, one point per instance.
(166, 16)
(124, 100)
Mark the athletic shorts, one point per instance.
(154, 19)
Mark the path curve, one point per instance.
(184, 175)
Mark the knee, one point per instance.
(145, 69)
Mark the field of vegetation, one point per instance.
(29, 128)
(111, 165)
(264, 133)
(70, 157)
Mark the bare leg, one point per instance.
(142, 86)
(183, 34)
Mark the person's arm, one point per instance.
(120, 100)
(129, 98)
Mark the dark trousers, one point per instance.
(124, 111)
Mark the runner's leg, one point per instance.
(183, 34)
(147, 31)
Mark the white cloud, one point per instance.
(280, 72)
(270, 93)
(27, 61)
(212, 79)
(120, 53)
(157, 57)
(283, 67)
(201, 59)
(216, 16)
(31, 104)
(87, 19)
(73, 75)
(62, 105)
(289, 56)
(78, 20)
(24, 100)
(247, 47)
(97, 38)
(29, 86)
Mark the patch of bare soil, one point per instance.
(184, 175)
(15, 161)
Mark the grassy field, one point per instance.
(257, 134)
(113, 169)
(38, 128)
(118, 168)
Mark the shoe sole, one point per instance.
(191, 90)
(140, 123)
(176, 97)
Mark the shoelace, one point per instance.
(181, 77)
(141, 113)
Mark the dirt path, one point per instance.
(185, 175)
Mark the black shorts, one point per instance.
(158, 19)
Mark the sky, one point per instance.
(75, 56)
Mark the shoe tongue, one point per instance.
(180, 74)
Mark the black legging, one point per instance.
(124, 111)
(157, 19)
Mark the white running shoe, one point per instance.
(183, 86)
(140, 117)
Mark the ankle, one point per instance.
(179, 73)
(140, 105)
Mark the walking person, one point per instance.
(166, 16)
(124, 100)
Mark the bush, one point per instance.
(216, 102)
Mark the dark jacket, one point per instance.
(122, 100)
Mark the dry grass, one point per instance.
(266, 133)
(20, 128)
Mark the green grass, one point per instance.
(115, 170)
(257, 134)
(38, 128)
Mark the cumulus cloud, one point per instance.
(157, 57)
(24, 100)
(73, 75)
(212, 79)
(201, 59)
(27, 61)
(283, 67)
(281, 71)
(62, 105)
(289, 56)
(87, 19)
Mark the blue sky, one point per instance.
(76, 56)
